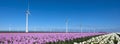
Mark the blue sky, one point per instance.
(53, 13)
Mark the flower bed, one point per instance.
(112, 38)
(40, 38)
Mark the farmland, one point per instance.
(42, 38)
(112, 38)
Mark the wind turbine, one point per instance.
(50, 28)
(94, 30)
(27, 13)
(66, 25)
(89, 29)
(9, 27)
(34, 29)
(81, 28)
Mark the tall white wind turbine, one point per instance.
(66, 25)
(27, 13)
(9, 27)
(94, 30)
(81, 28)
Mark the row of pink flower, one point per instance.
(40, 38)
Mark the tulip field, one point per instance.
(111, 38)
(43, 38)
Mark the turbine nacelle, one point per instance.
(27, 12)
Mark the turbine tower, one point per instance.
(66, 25)
(27, 13)
(9, 27)
(81, 28)
(94, 30)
